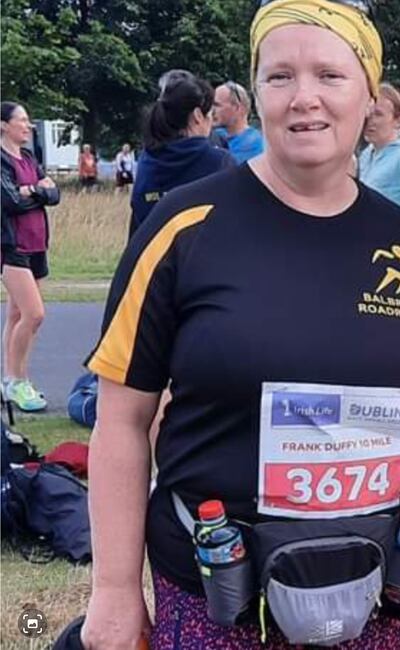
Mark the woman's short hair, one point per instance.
(7, 110)
(168, 118)
(392, 94)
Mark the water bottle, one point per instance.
(218, 541)
(224, 565)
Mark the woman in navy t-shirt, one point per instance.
(268, 296)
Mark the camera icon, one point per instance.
(32, 623)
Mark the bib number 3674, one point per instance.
(338, 486)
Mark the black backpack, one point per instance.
(46, 508)
(15, 449)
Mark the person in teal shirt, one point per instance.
(379, 163)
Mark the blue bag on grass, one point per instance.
(82, 400)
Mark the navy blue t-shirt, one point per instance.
(226, 287)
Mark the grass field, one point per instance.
(88, 235)
(58, 589)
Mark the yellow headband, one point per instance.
(347, 22)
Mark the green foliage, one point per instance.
(208, 37)
(388, 20)
(35, 61)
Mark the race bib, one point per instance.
(328, 451)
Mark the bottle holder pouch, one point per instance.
(229, 590)
(324, 581)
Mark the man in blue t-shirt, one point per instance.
(231, 110)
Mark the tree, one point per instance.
(59, 61)
(36, 60)
(208, 37)
(388, 21)
(106, 77)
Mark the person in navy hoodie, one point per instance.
(176, 145)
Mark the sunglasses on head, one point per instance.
(234, 89)
(366, 6)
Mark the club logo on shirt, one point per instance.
(384, 299)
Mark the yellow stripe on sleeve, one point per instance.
(113, 356)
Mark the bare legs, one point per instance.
(25, 313)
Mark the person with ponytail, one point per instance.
(25, 191)
(267, 297)
(176, 145)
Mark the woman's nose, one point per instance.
(305, 95)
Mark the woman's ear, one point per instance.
(197, 115)
(195, 123)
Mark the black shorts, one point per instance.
(36, 262)
(124, 178)
(88, 181)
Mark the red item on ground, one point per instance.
(72, 455)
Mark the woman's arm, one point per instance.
(118, 162)
(12, 201)
(80, 165)
(46, 194)
(119, 472)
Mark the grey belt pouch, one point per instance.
(229, 591)
(322, 579)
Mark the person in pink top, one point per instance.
(24, 229)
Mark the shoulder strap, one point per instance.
(183, 514)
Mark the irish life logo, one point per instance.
(304, 409)
(384, 299)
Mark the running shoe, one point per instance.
(23, 394)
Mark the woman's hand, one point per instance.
(117, 618)
(25, 191)
(46, 182)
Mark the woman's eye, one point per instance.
(278, 78)
(331, 76)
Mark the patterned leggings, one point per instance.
(181, 623)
